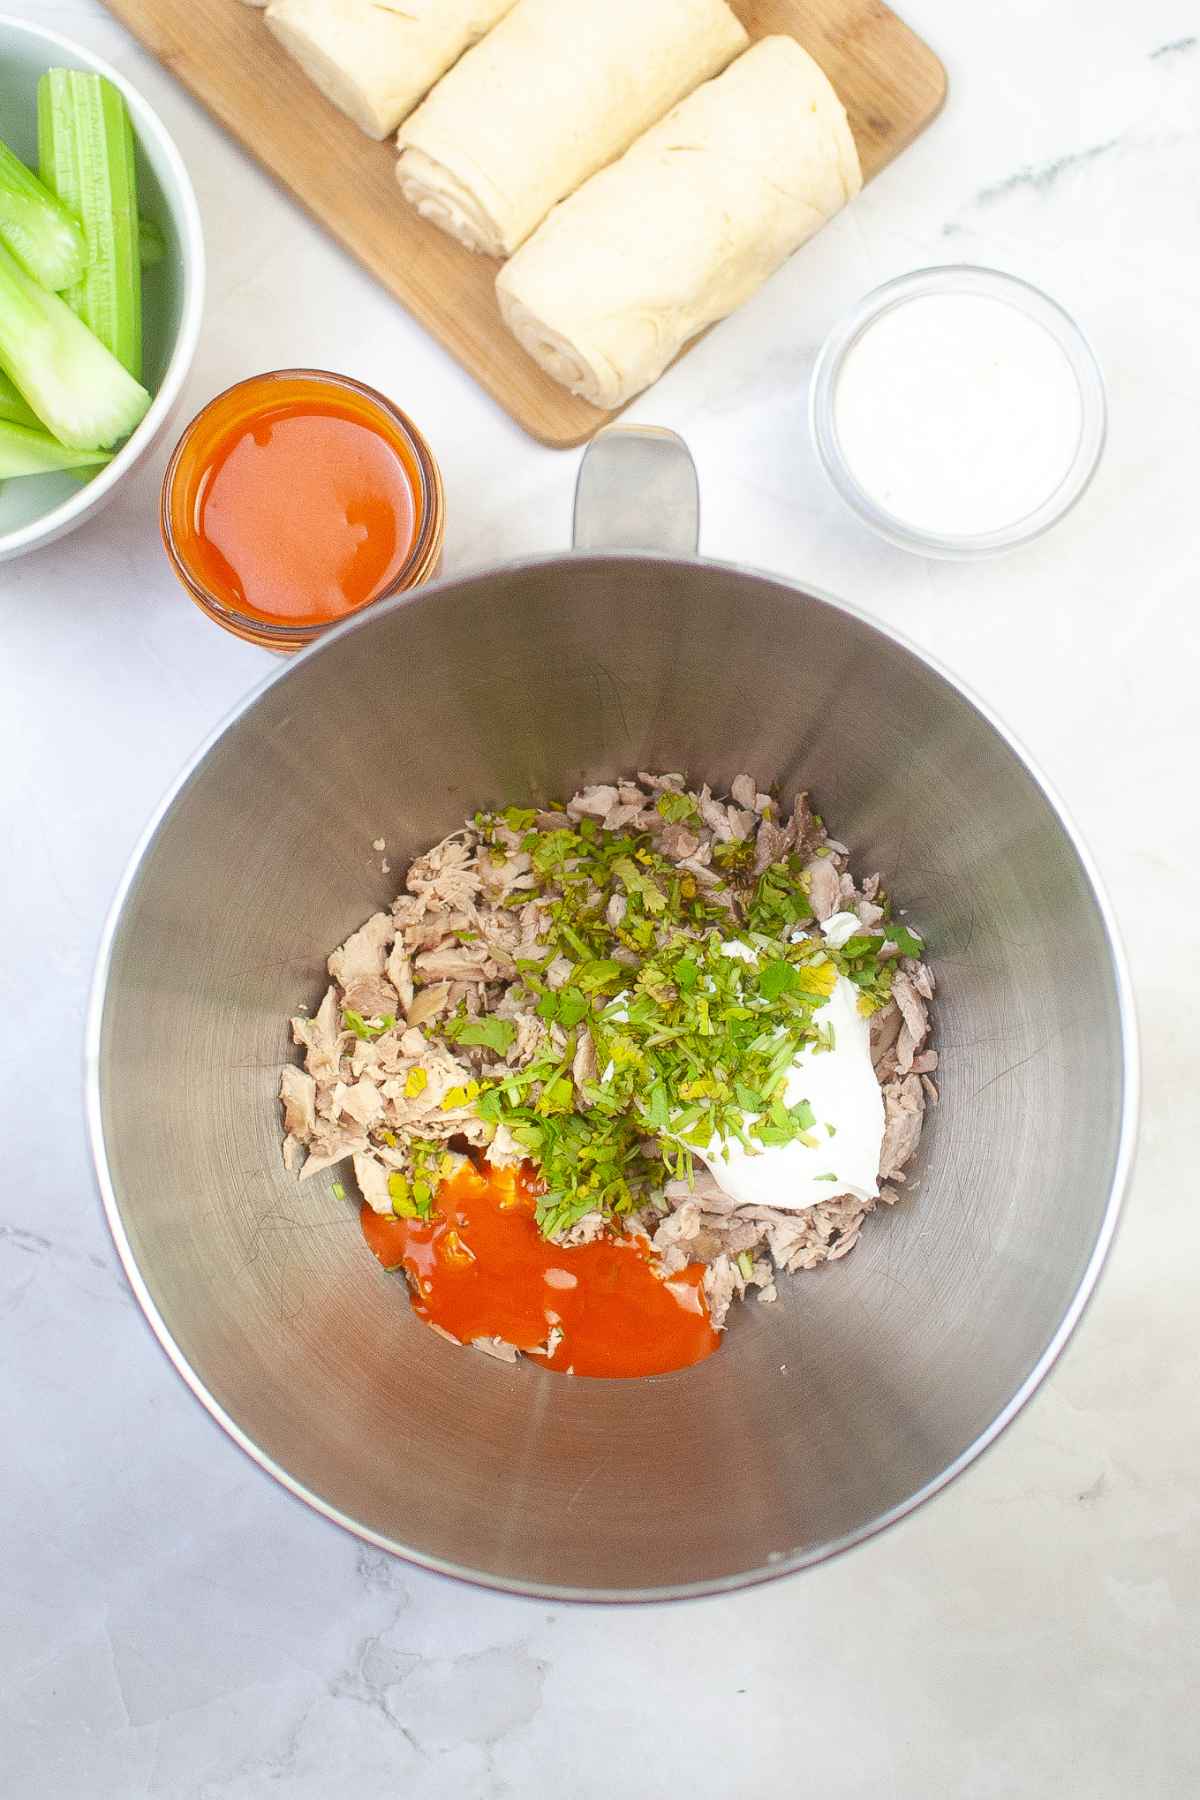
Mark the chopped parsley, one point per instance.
(412, 1194)
(907, 942)
(492, 1033)
(675, 808)
(692, 1045)
(367, 1029)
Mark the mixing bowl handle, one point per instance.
(637, 490)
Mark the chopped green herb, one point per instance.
(779, 903)
(552, 849)
(491, 1033)
(639, 885)
(598, 973)
(692, 1047)
(687, 973)
(907, 942)
(398, 1191)
(777, 978)
(572, 1007)
(367, 1029)
(674, 808)
(862, 946)
(818, 979)
(456, 1097)
(736, 857)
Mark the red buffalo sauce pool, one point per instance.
(295, 499)
(479, 1267)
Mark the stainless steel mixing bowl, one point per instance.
(822, 1418)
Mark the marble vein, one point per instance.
(1041, 177)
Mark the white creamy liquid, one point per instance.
(957, 414)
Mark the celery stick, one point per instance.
(85, 154)
(26, 452)
(76, 387)
(13, 410)
(46, 241)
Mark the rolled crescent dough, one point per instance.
(376, 58)
(688, 224)
(556, 91)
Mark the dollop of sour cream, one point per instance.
(840, 1085)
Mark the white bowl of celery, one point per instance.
(101, 283)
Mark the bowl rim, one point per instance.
(784, 1563)
(148, 127)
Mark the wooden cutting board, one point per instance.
(891, 83)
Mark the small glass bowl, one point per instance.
(992, 284)
(184, 477)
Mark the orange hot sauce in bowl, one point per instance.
(479, 1267)
(295, 499)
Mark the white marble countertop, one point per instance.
(175, 1625)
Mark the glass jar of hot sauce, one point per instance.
(294, 500)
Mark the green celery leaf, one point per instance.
(492, 1033)
(674, 808)
(598, 973)
(907, 942)
(367, 1029)
(776, 978)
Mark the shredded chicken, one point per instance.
(904, 1101)
(915, 1028)
(375, 1081)
(370, 996)
(363, 952)
(825, 888)
(298, 1092)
